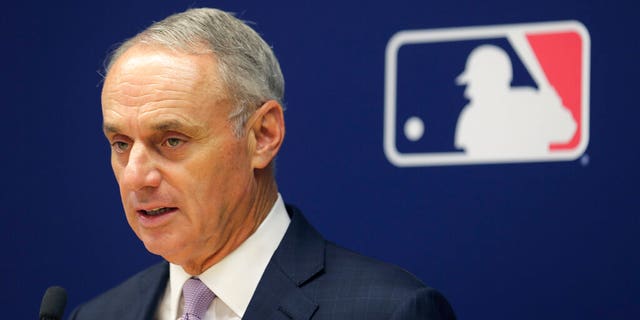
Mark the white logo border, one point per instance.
(474, 33)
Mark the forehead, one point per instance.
(155, 82)
(143, 70)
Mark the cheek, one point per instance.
(219, 162)
(216, 180)
(118, 171)
(116, 166)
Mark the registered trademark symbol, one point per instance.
(584, 160)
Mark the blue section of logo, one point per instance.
(426, 74)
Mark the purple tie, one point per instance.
(197, 298)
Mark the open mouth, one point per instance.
(157, 211)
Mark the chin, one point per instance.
(156, 245)
(166, 248)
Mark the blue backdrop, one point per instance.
(550, 240)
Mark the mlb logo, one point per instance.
(491, 94)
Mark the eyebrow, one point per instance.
(110, 128)
(167, 125)
(175, 125)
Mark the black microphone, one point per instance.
(53, 303)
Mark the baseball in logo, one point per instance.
(491, 94)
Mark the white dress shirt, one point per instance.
(235, 278)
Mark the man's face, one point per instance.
(185, 179)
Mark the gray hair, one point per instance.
(246, 64)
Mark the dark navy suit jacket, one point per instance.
(307, 278)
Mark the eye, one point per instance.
(173, 142)
(120, 146)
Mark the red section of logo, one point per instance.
(564, 72)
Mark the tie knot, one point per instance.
(197, 298)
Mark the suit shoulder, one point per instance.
(134, 295)
(354, 286)
(424, 303)
(345, 261)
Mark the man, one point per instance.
(192, 110)
(504, 121)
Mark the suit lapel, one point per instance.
(299, 257)
(151, 288)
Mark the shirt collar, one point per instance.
(235, 278)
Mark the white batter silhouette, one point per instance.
(506, 121)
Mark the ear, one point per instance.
(267, 131)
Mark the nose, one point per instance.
(141, 170)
